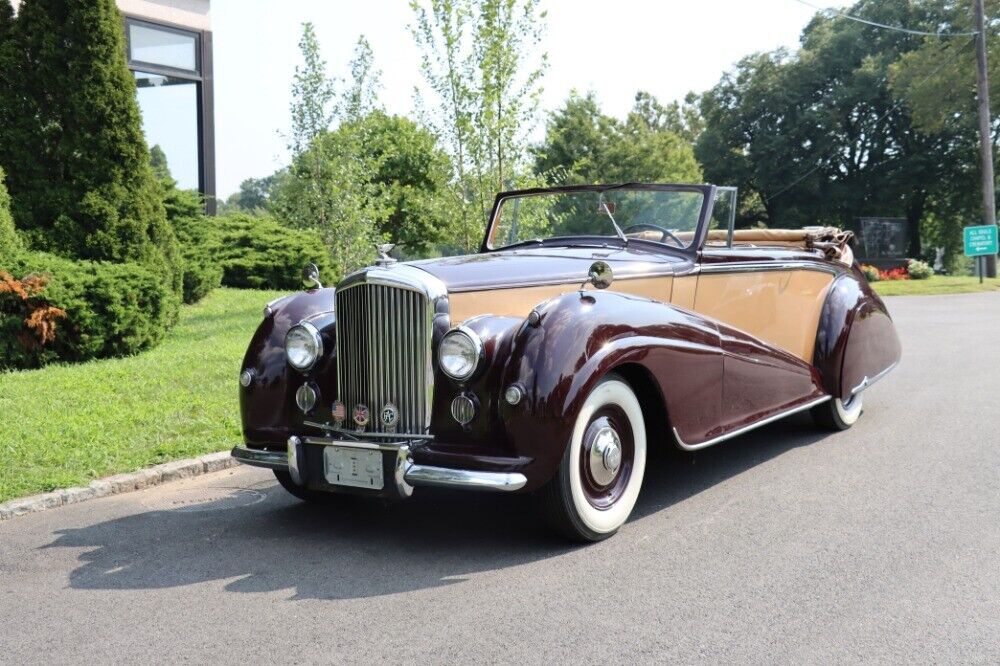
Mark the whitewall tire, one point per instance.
(598, 481)
(837, 414)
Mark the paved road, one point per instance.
(879, 544)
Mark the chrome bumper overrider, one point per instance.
(406, 473)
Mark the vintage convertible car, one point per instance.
(596, 322)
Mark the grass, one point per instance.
(937, 284)
(66, 425)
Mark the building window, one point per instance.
(172, 67)
(169, 108)
(159, 46)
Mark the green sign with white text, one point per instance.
(980, 241)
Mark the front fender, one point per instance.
(856, 341)
(578, 339)
(267, 406)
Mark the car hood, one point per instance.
(527, 267)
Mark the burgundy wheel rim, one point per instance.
(603, 486)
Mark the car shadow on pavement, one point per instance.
(362, 548)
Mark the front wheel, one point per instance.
(837, 414)
(598, 481)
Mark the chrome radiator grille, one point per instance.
(383, 354)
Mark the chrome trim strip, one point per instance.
(574, 282)
(748, 428)
(868, 381)
(358, 444)
(355, 435)
(443, 477)
(762, 266)
(277, 460)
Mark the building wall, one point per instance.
(188, 13)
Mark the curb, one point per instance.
(120, 483)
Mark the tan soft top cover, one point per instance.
(833, 242)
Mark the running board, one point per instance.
(744, 429)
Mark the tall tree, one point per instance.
(478, 63)
(79, 171)
(818, 136)
(583, 145)
(327, 186)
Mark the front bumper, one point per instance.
(405, 473)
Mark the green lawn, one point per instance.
(938, 284)
(67, 425)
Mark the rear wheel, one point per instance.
(598, 481)
(837, 414)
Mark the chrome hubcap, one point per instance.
(605, 456)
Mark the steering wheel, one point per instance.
(645, 226)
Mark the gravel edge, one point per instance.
(120, 483)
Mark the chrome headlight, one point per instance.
(303, 346)
(459, 353)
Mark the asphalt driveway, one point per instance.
(785, 545)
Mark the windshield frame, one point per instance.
(708, 199)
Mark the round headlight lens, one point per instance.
(303, 346)
(459, 353)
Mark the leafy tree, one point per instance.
(254, 194)
(327, 187)
(476, 64)
(83, 186)
(818, 136)
(583, 145)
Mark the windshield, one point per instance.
(663, 216)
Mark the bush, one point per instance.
(870, 272)
(918, 270)
(894, 274)
(55, 309)
(193, 229)
(257, 253)
(10, 243)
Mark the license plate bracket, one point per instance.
(357, 468)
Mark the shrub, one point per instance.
(871, 273)
(193, 229)
(258, 253)
(10, 243)
(918, 270)
(894, 274)
(55, 309)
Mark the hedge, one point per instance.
(194, 231)
(94, 309)
(258, 253)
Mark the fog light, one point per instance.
(463, 409)
(513, 394)
(305, 397)
(246, 378)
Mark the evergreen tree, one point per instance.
(10, 244)
(81, 182)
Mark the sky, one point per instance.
(614, 48)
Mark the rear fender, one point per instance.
(856, 341)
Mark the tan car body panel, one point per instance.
(781, 308)
(518, 301)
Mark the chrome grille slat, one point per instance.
(383, 353)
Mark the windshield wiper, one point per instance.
(618, 230)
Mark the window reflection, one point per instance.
(162, 47)
(169, 107)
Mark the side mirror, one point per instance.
(310, 276)
(600, 275)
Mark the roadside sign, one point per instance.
(980, 241)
